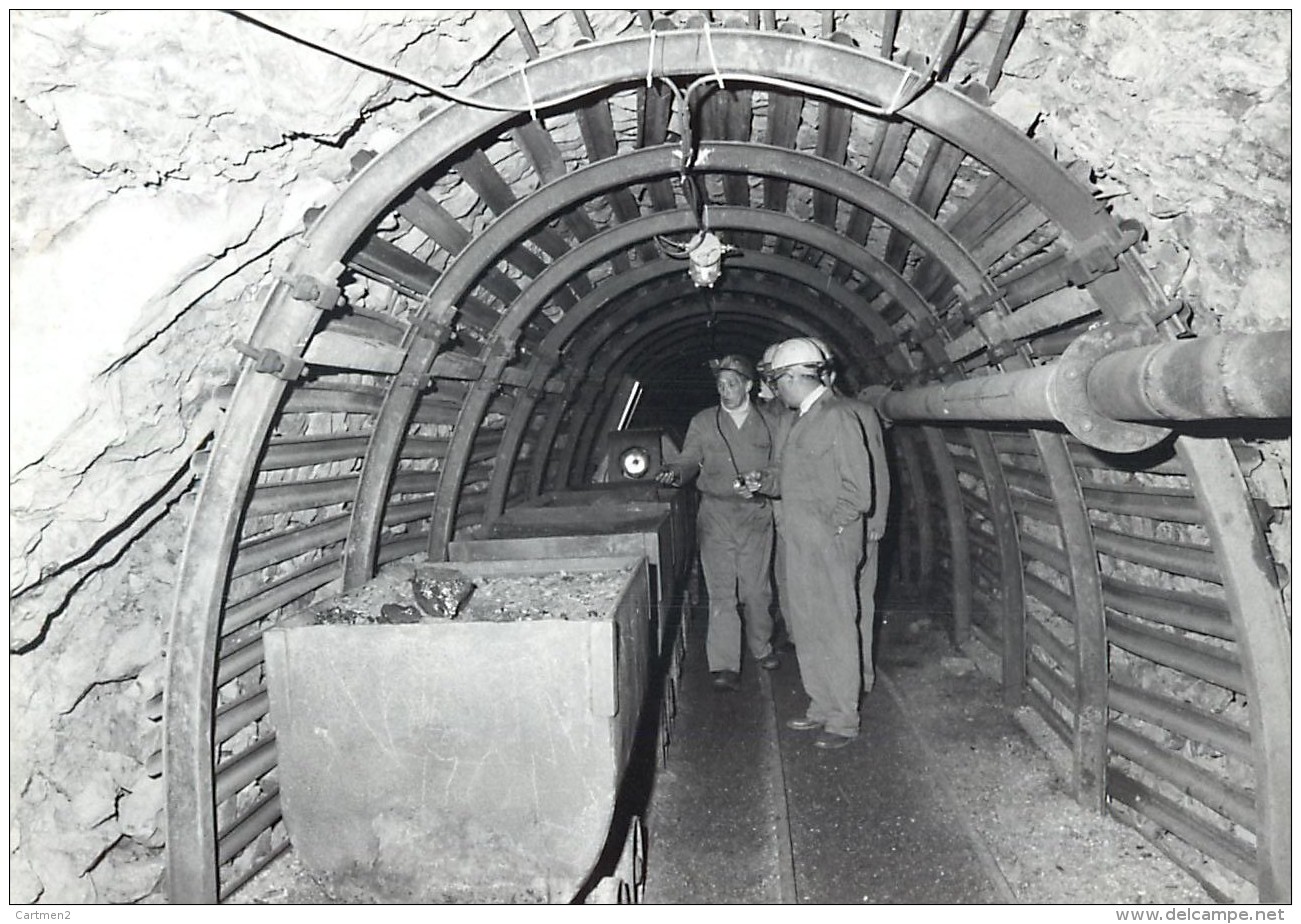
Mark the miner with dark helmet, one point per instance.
(823, 475)
(734, 525)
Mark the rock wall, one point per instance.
(1185, 118)
(161, 164)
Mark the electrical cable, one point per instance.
(687, 180)
(719, 77)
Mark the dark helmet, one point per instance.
(734, 363)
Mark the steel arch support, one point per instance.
(576, 326)
(1264, 635)
(1009, 548)
(1089, 747)
(959, 545)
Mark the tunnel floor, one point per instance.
(946, 797)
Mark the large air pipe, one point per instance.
(1108, 392)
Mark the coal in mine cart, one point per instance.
(472, 757)
(614, 519)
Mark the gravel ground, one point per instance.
(1008, 775)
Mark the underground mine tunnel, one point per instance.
(304, 302)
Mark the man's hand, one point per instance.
(668, 477)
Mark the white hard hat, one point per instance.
(799, 351)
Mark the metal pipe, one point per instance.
(1226, 376)
(1021, 395)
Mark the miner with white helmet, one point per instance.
(870, 419)
(769, 401)
(766, 393)
(734, 525)
(823, 476)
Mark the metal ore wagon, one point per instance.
(480, 758)
(470, 759)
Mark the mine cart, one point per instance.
(636, 519)
(467, 744)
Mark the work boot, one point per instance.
(726, 681)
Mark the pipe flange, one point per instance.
(1068, 391)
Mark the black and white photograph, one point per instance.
(793, 457)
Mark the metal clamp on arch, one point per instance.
(272, 362)
(501, 352)
(320, 294)
(1068, 391)
(972, 305)
(1101, 253)
(431, 329)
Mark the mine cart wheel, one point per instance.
(632, 862)
(609, 891)
(662, 738)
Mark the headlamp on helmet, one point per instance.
(733, 363)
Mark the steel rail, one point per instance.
(1057, 601)
(1054, 655)
(1089, 733)
(1181, 609)
(1197, 660)
(1263, 629)
(245, 829)
(1054, 689)
(907, 451)
(1003, 519)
